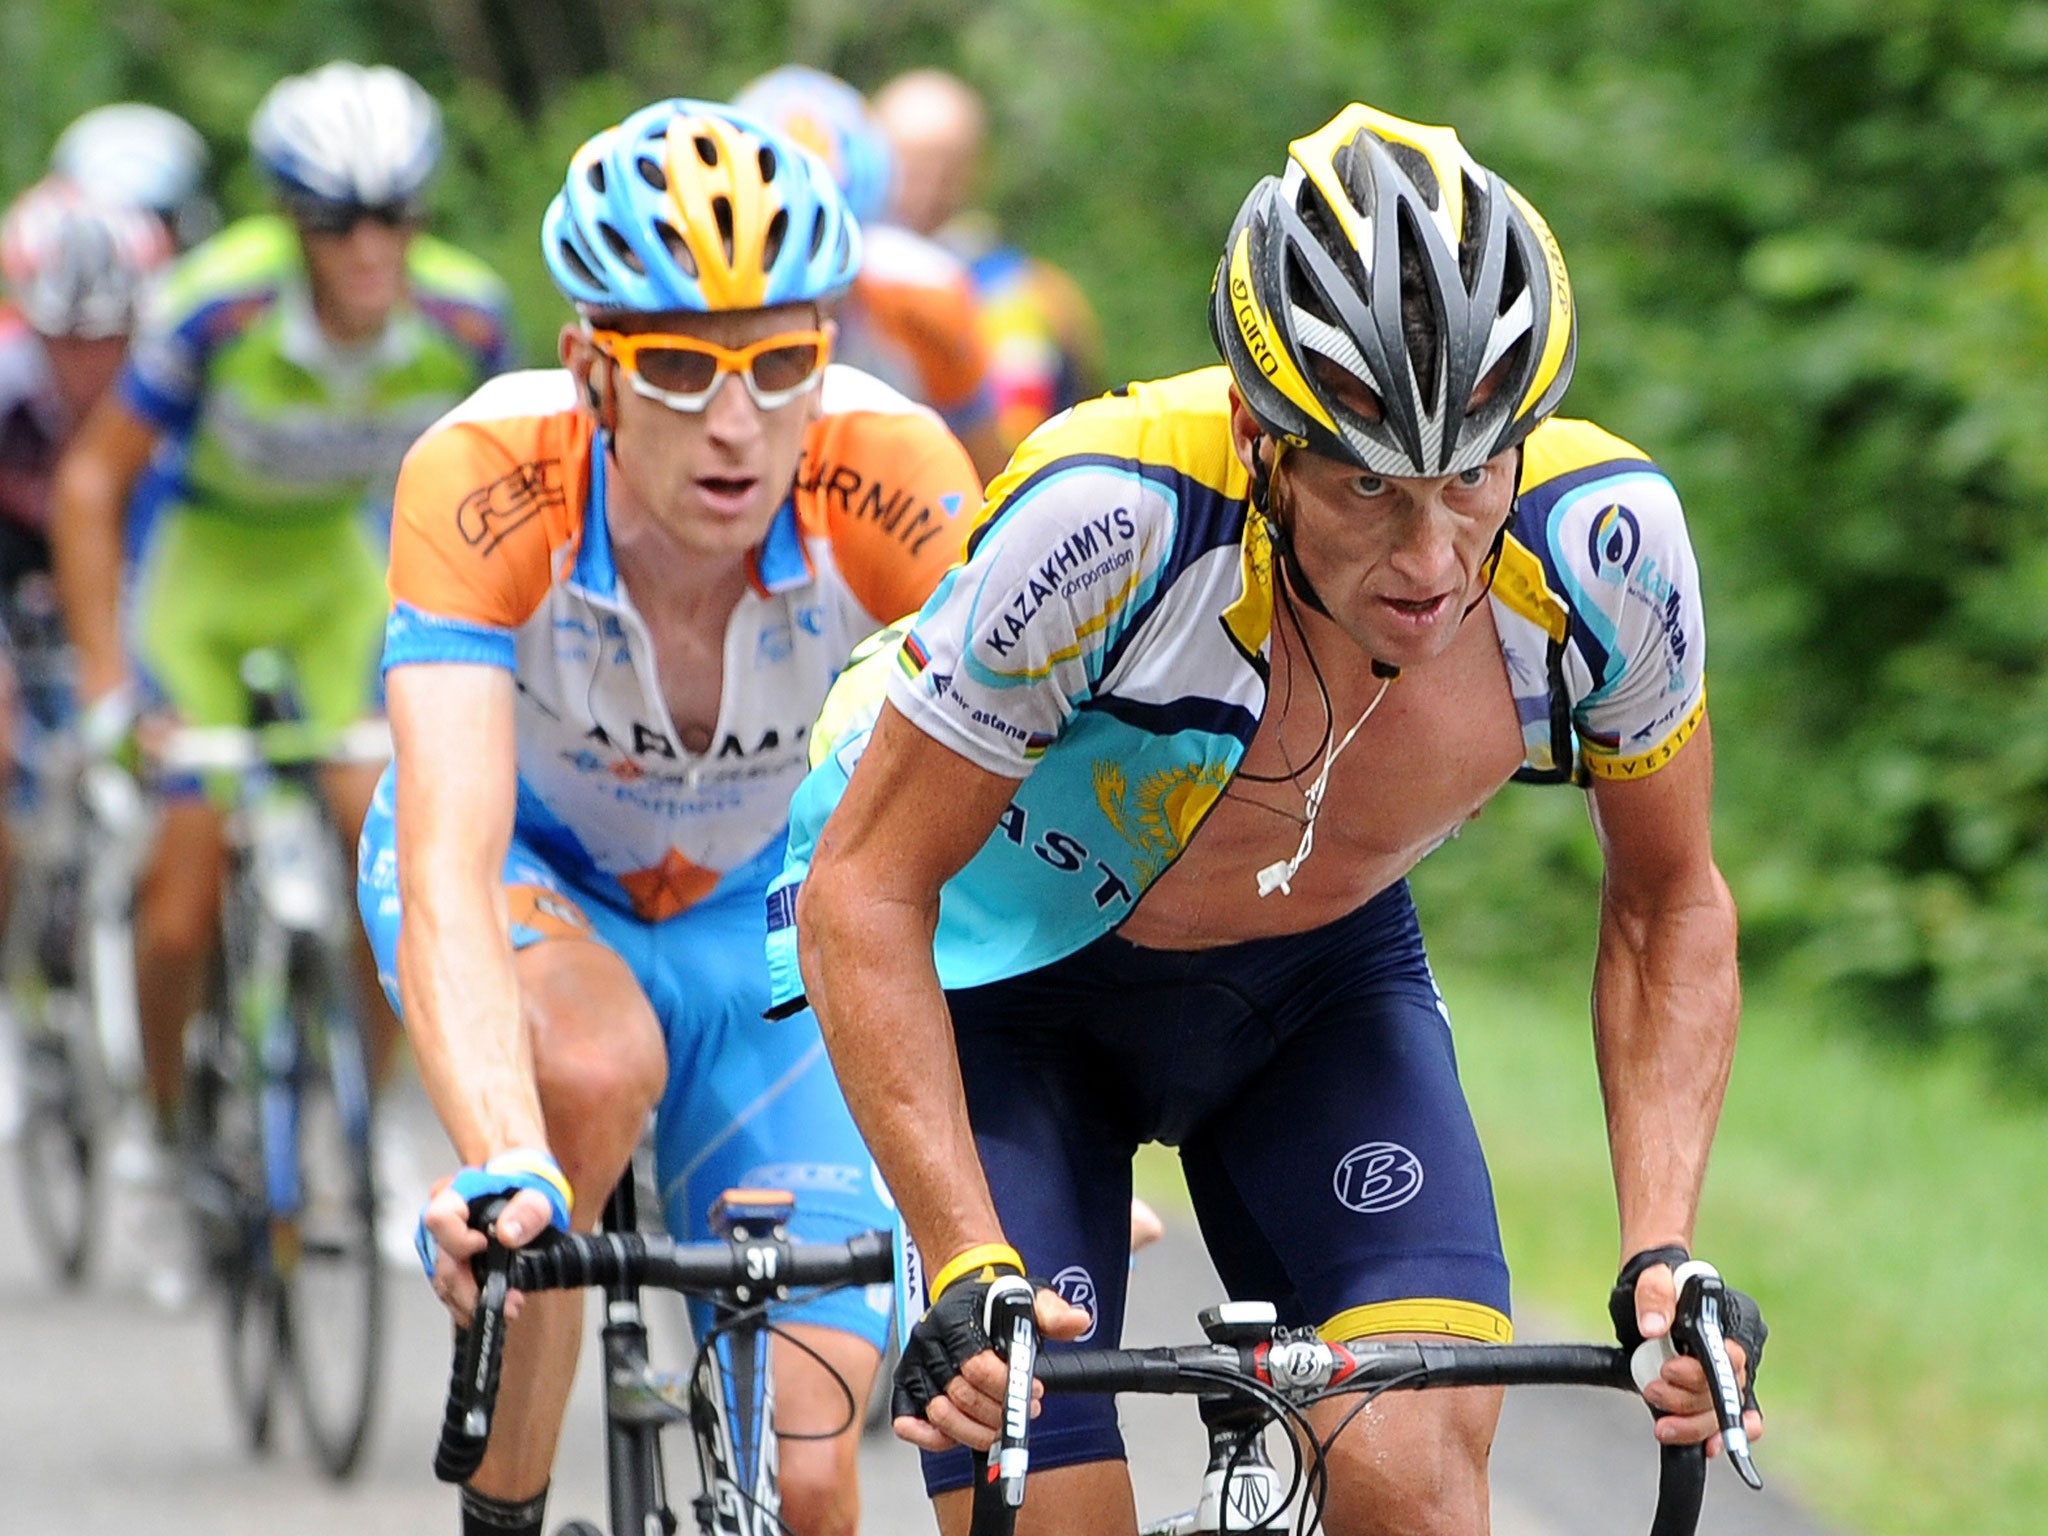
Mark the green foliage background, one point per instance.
(1811, 247)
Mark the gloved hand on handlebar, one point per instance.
(950, 1382)
(445, 1240)
(1643, 1304)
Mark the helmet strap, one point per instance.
(1282, 540)
(1500, 539)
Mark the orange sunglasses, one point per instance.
(684, 372)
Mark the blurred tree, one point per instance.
(1811, 251)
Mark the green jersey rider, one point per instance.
(277, 378)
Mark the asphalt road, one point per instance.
(114, 1419)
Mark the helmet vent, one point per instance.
(778, 231)
(651, 172)
(1472, 238)
(623, 253)
(817, 235)
(1416, 167)
(678, 248)
(573, 259)
(721, 210)
(707, 150)
(768, 165)
(595, 176)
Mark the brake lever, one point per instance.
(1013, 1327)
(1696, 1330)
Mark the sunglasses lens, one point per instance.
(787, 367)
(318, 217)
(676, 369)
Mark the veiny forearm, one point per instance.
(867, 965)
(462, 1013)
(1665, 1003)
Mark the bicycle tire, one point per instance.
(57, 1160)
(332, 1288)
(57, 1156)
(223, 1157)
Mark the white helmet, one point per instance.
(346, 133)
(130, 152)
(77, 265)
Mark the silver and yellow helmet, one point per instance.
(1391, 303)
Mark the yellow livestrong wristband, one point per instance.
(980, 1256)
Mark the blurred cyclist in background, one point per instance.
(74, 270)
(284, 367)
(1045, 348)
(144, 157)
(911, 319)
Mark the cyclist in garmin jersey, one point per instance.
(620, 593)
(1229, 654)
(279, 374)
(911, 318)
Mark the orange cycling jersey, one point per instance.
(501, 554)
(913, 321)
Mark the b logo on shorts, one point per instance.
(1377, 1177)
(1077, 1287)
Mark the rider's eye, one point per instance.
(1473, 478)
(1370, 485)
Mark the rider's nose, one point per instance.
(732, 416)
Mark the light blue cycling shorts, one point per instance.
(750, 1104)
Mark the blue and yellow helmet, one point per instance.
(691, 205)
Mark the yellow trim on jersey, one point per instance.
(1249, 620)
(1564, 444)
(1518, 582)
(1421, 1314)
(1607, 765)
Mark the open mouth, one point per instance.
(727, 493)
(1418, 610)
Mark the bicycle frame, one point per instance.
(731, 1417)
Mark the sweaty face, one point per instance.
(1396, 559)
(713, 479)
(358, 278)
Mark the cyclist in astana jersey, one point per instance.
(1044, 346)
(74, 269)
(278, 375)
(1230, 653)
(620, 593)
(912, 318)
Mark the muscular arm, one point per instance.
(451, 727)
(914, 813)
(1665, 991)
(90, 504)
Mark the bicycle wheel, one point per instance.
(55, 1156)
(332, 1283)
(224, 1162)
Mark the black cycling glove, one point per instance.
(1742, 1320)
(953, 1331)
